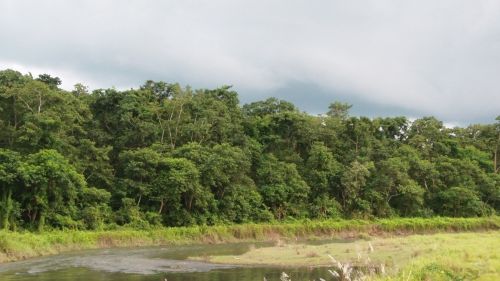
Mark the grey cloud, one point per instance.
(387, 57)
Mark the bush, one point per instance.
(462, 202)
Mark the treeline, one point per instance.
(167, 155)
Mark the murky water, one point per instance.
(148, 264)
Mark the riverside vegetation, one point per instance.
(20, 245)
(162, 155)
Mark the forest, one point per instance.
(167, 155)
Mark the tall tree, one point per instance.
(339, 110)
(354, 180)
(52, 186)
(9, 180)
(283, 189)
(322, 174)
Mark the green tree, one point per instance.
(51, 188)
(353, 181)
(462, 202)
(9, 180)
(322, 174)
(282, 188)
(225, 170)
(94, 205)
(139, 168)
(339, 110)
(177, 188)
(397, 189)
(428, 135)
(52, 82)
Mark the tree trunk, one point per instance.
(177, 124)
(7, 208)
(139, 200)
(40, 102)
(161, 206)
(4, 211)
(41, 221)
(495, 160)
(14, 111)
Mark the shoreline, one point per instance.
(15, 246)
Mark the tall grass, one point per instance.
(21, 245)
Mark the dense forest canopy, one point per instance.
(164, 154)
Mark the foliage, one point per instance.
(163, 154)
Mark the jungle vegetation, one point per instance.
(163, 154)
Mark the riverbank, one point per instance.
(17, 246)
(444, 256)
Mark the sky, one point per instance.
(386, 57)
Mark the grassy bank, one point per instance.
(16, 246)
(444, 256)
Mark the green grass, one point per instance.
(443, 256)
(466, 256)
(21, 245)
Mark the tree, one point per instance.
(51, 188)
(52, 82)
(282, 188)
(322, 174)
(428, 135)
(496, 156)
(358, 135)
(9, 180)
(215, 117)
(461, 202)
(94, 205)
(126, 120)
(9, 115)
(339, 110)
(94, 163)
(322, 170)
(353, 182)
(80, 90)
(268, 107)
(397, 189)
(171, 113)
(139, 169)
(225, 171)
(161, 89)
(177, 188)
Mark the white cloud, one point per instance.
(430, 57)
(70, 78)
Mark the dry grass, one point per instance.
(453, 256)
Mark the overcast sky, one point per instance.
(414, 58)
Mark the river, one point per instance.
(149, 264)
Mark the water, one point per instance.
(149, 264)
